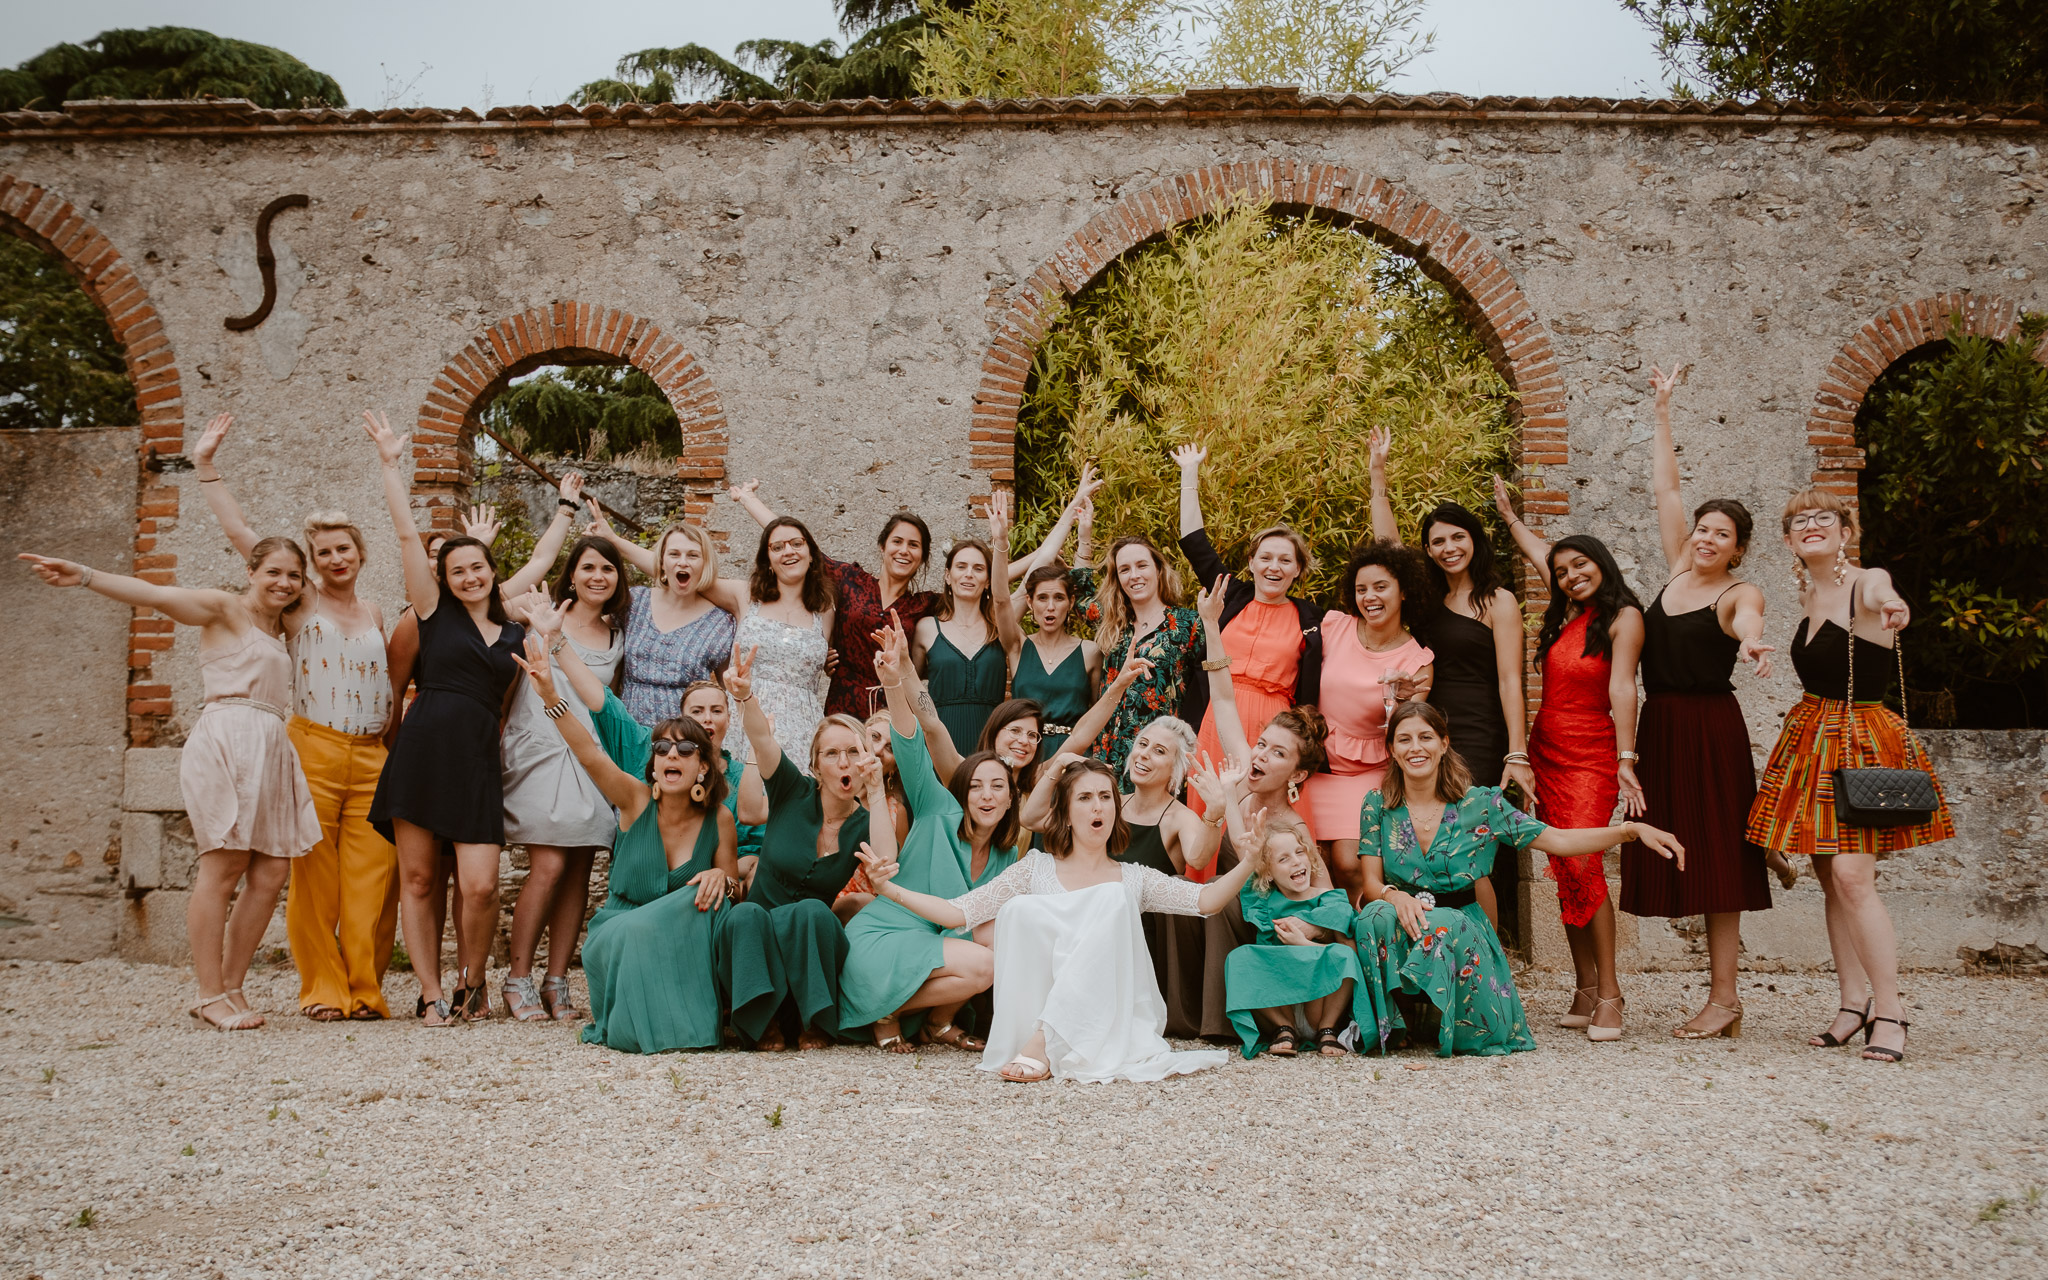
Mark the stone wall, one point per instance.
(842, 300)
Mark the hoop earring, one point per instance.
(697, 792)
(1841, 564)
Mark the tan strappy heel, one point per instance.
(1579, 1021)
(1599, 1034)
(1732, 1029)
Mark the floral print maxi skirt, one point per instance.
(1458, 966)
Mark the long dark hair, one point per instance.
(763, 586)
(987, 602)
(1059, 824)
(1405, 564)
(1453, 776)
(494, 607)
(615, 609)
(924, 539)
(689, 730)
(1483, 569)
(1007, 829)
(1609, 599)
(1005, 715)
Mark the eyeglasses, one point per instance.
(674, 747)
(1815, 520)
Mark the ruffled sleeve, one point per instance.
(1169, 895)
(981, 904)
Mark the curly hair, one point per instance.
(1309, 728)
(1405, 565)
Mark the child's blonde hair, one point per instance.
(1290, 825)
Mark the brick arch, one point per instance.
(1882, 342)
(561, 333)
(52, 223)
(1487, 295)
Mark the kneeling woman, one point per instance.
(1303, 967)
(1425, 838)
(649, 952)
(1075, 996)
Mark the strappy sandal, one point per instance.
(436, 1014)
(237, 1019)
(559, 1000)
(1034, 1070)
(323, 1013)
(953, 1038)
(243, 1007)
(1829, 1040)
(1283, 1044)
(893, 1043)
(1877, 1052)
(522, 1000)
(1579, 1021)
(1731, 1029)
(1599, 1034)
(472, 1004)
(1328, 1044)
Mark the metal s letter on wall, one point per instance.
(266, 261)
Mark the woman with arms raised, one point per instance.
(1056, 669)
(680, 630)
(1137, 613)
(1852, 617)
(1429, 836)
(968, 643)
(1075, 996)
(247, 798)
(1583, 747)
(443, 781)
(961, 836)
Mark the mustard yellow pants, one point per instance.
(338, 890)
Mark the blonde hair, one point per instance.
(1115, 606)
(1302, 555)
(1184, 738)
(1819, 500)
(1260, 857)
(335, 522)
(696, 534)
(843, 721)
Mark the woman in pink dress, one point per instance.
(1370, 663)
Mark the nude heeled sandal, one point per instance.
(1577, 1021)
(1732, 1030)
(237, 1019)
(1599, 1034)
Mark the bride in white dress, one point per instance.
(1075, 995)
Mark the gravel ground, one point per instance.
(384, 1149)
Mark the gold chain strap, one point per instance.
(1849, 701)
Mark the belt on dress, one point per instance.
(246, 702)
(1044, 729)
(1452, 898)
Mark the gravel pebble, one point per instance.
(385, 1149)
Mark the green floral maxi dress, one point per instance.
(1269, 973)
(1458, 965)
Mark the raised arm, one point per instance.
(942, 912)
(748, 495)
(1048, 549)
(622, 790)
(1037, 807)
(739, 683)
(192, 606)
(1189, 458)
(1534, 549)
(1222, 698)
(1384, 527)
(1008, 633)
(549, 545)
(420, 587)
(893, 672)
(873, 780)
(1627, 633)
(1504, 619)
(1672, 526)
(226, 511)
(641, 558)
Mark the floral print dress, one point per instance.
(1458, 965)
(1158, 694)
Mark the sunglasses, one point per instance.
(674, 747)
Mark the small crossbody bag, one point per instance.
(1877, 797)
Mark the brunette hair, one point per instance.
(1054, 572)
(1303, 557)
(494, 608)
(1005, 715)
(714, 687)
(620, 602)
(988, 562)
(1059, 827)
(1405, 564)
(696, 534)
(1184, 738)
(1007, 827)
(1453, 777)
(1483, 569)
(1609, 599)
(1113, 605)
(261, 552)
(707, 754)
(1819, 500)
(817, 593)
(336, 522)
(1282, 824)
(924, 535)
(1738, 515)
(1306, 723)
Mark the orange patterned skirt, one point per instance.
(1794, 812)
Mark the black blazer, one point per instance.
(1208, 566)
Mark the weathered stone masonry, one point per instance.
(844, 299)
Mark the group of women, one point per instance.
(841, 807)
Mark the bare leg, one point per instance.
(476, 891)
(1585, 966)
(535, 908)
(1018, 1073)
(252, 915)
(1855, 887)
(1724, 953)
(206, 916)
(1849, 970)
(1331, 1013)
(572, 897)
(1601, 934)
(419, 903)
(848, 905)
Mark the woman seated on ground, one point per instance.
(648, 956)
(857, 894)
(1075, 997)
(816, 824)
(1303, 969)
(898, 963)
(1425, 838)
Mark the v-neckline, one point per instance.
(966, 657)
(1040, 654)
(1442, 817)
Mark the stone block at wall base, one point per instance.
(153, 928)
(63, 924)
(149, 780)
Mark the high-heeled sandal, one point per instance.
(1877, 1052)
(1829, 1040)
(436, 1013)
(522, 1000)
(559, 1000)
(1599, 1034)
(1732, 1028)
(1577, 1021)
(1284, 1041)
(237, 1019)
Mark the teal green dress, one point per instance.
(1459, 965)
(889, 951)
(629, 743)
(1270, 974)
(649, 952)
(1063, 693)
(965, 690)
(796, 888)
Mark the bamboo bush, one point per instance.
(1278, 344)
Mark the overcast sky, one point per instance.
(454, 53)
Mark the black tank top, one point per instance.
(1147, 849)
(1823, 663)
(1687, 652)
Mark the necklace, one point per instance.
(1365, 642)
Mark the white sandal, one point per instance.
(1040, 1071)
(1579, 1021)
(237, 1019)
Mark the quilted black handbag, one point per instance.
(1874, 797)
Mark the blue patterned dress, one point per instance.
(661, 664)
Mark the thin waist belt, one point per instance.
(211, 703)
(1452, 898)
(1044, 729)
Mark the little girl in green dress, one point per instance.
(1302, 969)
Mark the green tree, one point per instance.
(1955, 506)
(1326, 46)
(1991, 51)
(1045, 48)
(165, 63)
(594, 412)
(60, 365)
(1278, 344)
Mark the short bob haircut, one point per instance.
(336, 522)
(1304, 558)
(1059, 827)
(1008, 828)
(695, 533)
(1818, 500)
(689, 730)
(838, 720)
(1185, 742)
(1453, 778)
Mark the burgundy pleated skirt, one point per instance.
(1698, 781)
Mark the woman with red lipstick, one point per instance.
(680, 630)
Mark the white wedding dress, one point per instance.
(1076, 962)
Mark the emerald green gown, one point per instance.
(965, 690)
(1270, 974)
(1459, 964)
(796, 888)
(889, 951)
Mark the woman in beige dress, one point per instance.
(250, 807)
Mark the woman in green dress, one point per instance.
(966, 644)
(898, 964)
(1055, 668)
(1425, 838)
(648, 954)
(705, 701)
(809, 850)
(1303, 967)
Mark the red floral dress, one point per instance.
(1572, 751)
(854, 691)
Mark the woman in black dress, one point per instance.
(1477, 638)
(443, 779)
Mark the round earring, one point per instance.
(697, 791)
(1841, 564)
